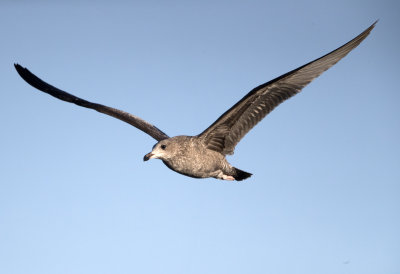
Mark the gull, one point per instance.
(204, 155)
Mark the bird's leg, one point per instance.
(227, 177)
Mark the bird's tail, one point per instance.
(240, 174)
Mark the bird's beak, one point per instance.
(148, 156)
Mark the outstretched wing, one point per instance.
(224, 134)
(135, 121)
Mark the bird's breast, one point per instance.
(196, 161)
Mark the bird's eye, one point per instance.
(163, 147)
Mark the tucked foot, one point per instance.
(227, 177)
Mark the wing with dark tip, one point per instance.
(135, 121)
(224, 134)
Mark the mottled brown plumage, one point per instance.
(203, 156)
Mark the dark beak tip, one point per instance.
(147, 156)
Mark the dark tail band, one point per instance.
(241, 175)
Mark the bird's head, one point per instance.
(162, 150)
(170, 148)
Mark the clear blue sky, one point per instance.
(76, 196)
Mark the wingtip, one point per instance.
(373, 25)
(18, 67)
(370, 28)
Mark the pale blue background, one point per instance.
(76, 197)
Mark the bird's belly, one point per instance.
(197, 167)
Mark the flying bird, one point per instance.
(203, 155)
